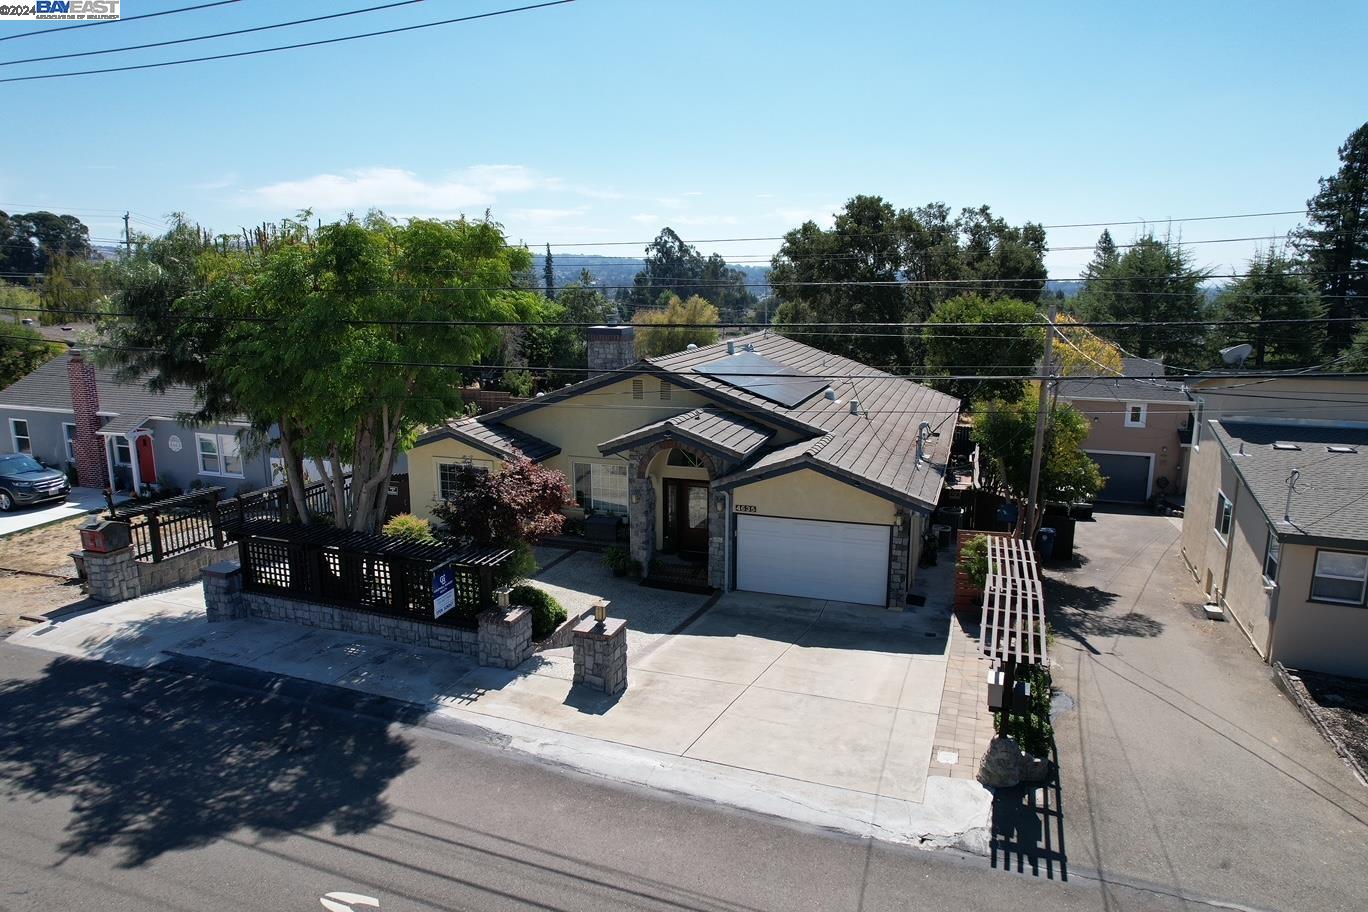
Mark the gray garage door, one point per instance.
(1127, 477)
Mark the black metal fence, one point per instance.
(205, 518)
(374, 573)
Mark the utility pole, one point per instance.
(1028, 522)
(128, 237)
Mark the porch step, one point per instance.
(678, 576)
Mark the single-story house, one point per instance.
(1276, 532)
(71, 413)
(770, 465)
(1140, 425)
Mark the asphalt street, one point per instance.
(150, 790)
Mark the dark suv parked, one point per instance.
(25, 481)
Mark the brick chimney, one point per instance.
(85, 402)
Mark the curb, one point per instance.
(1283, 679)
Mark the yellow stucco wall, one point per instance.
(578, 425)
(806, 494)
(423, 463)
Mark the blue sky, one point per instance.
(602, 120)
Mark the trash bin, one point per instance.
(1045, 543)
(944, 535)
(1007, 513)
(954, 517)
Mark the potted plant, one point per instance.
(618, 560)
(971, 573)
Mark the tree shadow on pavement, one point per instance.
(1080, 612)
(153, 762)
(1028, 829)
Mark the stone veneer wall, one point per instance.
(181, 569)
(900, 561)
(641, 510)
(112, 576)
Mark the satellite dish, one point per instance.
(1236, 354)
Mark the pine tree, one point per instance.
(1273, 288)
(1335, 244)
(550, 275)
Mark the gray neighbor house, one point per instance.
(73, 415)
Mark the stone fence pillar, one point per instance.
(223, 599)
(505, 637)
(600, 650)
(111, 576)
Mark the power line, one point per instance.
(241, 31)
(66, 28)
(291, 47)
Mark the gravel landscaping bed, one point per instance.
(1339, 708)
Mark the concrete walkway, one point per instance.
(816, 711)
(80, 500)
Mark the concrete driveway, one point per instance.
(1182, 765)
(80, 500)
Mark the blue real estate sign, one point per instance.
(443, 590)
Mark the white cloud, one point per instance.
(544, 216)
(822, 215)
(645, 218)
(694, 193)
(223, 182)
(394, 189)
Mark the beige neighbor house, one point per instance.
(769, 465)
(1276, 531)
(1140, 425)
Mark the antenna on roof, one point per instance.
(923, 432)
(1291, 488)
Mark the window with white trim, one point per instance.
(1341, 577)
(1272, 555)
(123, 452)
(19, 435)
(219, 454)
(1136, 414)
(600, 486)
(1223, 516)
(449, 472)
(69, 438)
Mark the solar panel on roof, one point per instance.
(765, 378)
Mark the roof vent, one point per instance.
(1281, 445)
(691, 347)
(1338, 448)
(855, 407)
(831, 395)
(731, 347)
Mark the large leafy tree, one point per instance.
(1273, 288)
(878, 264)
(1005, 433)
(675, 267)
(30, 241)
(1335, 242)
(549, 347)
(958, 349)
(1153, 281)
(331, 342)
(673, 327)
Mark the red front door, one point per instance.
(147, 460)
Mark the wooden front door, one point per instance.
(686, 516)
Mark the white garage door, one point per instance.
(846, 562)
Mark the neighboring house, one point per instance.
(755, 459)
(69, 412)
(1139, 429)
(1276, 531)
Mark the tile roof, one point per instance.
(1331, 497)
(496, 439)
(1122, 389)
(713, 428)
(47, 387)
(877, 447)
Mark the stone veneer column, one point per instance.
(223, 599)
(899, 562)
(85, 404)
(112, 576)
(600, 652)
(505, 638)
(641, 519)
(718, 521)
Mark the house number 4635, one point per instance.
(746, 508)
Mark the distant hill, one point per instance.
(610, 271)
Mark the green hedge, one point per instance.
(547, 613)
(1032, 730)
